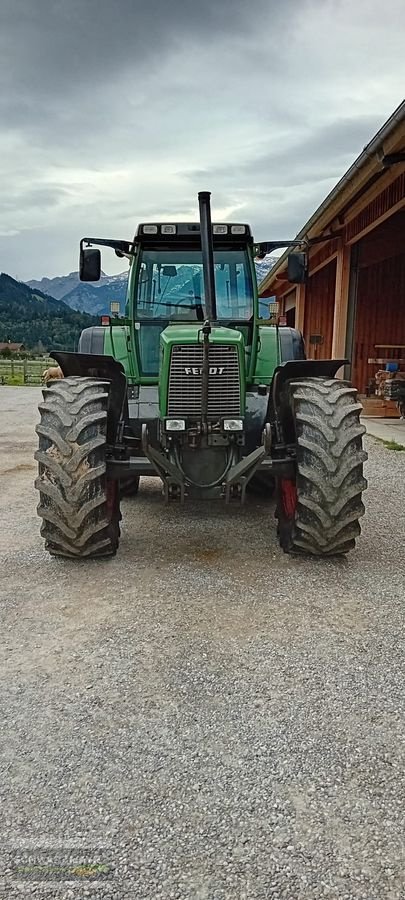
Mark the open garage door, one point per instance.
(379, 332)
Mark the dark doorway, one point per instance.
(290, 317)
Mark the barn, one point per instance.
(353, 302)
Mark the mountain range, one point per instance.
(93, 298)
(263, 266)
(34, 318)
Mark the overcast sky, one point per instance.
(117, 111)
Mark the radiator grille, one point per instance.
(185, 381)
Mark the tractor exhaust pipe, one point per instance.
(207, 252)
(207, 249)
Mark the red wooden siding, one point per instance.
(384, 241)
(380, 317)
(319, 309)
(317, 257)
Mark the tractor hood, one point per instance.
(190, 334)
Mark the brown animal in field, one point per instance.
(52, 373)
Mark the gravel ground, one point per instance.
(202, 714)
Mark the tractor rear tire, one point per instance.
(79, 505)
(319, 510)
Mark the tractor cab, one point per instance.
(166, 285)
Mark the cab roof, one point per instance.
(152, 232)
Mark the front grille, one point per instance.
(185, 382)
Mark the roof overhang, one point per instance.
(386, 148)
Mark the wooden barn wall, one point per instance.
(384, 241)
(318, 256)
(380, 316)
(319, 310)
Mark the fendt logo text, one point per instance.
(197, 370)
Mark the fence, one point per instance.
(23, 371)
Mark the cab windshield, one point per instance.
(171, 285)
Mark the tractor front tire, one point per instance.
(319, 510)
(79, 505)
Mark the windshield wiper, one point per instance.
(197, 306)
(176, 303)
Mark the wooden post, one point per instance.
(341, 303)
(300, 307)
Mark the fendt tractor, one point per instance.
(193, 387)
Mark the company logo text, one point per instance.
(197, 370)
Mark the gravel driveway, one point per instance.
(202, 716)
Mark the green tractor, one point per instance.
(193, 387)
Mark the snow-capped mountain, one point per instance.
(94, 298)
(263, 266)
(56, 287)
(64, 284)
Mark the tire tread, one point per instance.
(330, 459)
(72, 484)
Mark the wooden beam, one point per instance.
(300, 293)
(277, 291)
(341, 302)
(322, 264)
(372, 193)
(383, 360)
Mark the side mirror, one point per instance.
(297, 268)
(90, 264)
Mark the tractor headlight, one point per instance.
(233, 424)
(175, 425)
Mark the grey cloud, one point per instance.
(66, 43)
(321, 150)
(48, 250)
(82, 79)
(120, 111)
(33, 198)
